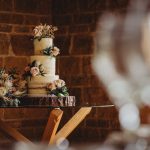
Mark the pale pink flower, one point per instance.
(3, 91)
(55, 51)
(34, 71)
(8, 84)
(4, 76)
(59, 83)
(51, 86)
(37, 33)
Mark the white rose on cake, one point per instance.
(59, 83)
(55, 51)
(34, 71)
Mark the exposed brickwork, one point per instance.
(1, 62)
(72, 65)
(4, 44)
(64, 44)
(18, 62)
(22, 45)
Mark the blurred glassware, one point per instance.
(122, 61)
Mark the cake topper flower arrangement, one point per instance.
(34, 69)
(57, 88)
(44, 31)
(12, 86)
(41, 32)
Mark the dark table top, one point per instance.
(46, 101)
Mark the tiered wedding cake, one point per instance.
(41, 72)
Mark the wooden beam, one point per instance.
(71, 124)
(52, 125)
(13, 132)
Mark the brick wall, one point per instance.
(17, 19)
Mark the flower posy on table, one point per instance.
(12, 86)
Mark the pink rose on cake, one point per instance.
(34, 71)
(57, 88)
(51, 86)
(55, 51)
(59, 83)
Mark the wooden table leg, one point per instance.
(52, 125)
(71, 124)
(13, 132)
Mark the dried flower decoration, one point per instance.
(11, 87)
(44, 31)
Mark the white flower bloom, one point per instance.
(3, 91)
(55, 51)
(34, 71)
(59, 83)
(8, 84)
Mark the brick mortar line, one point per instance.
(16, 33)
(22, 25)
(89, 33)
(23, 119)
(5, 56)
(76, 13)
(76, 55)
(24, 14)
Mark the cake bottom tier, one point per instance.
(38, 84)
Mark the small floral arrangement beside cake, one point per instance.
(41, 71)
(57, 88)
(12, 86)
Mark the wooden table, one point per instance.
(51, 133)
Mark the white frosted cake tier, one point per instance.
(39, 45)
(48, 62)
(41, 80)
(34, 92)
(37, 84)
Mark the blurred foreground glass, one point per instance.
(122, 63)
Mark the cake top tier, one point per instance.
(43, 40)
